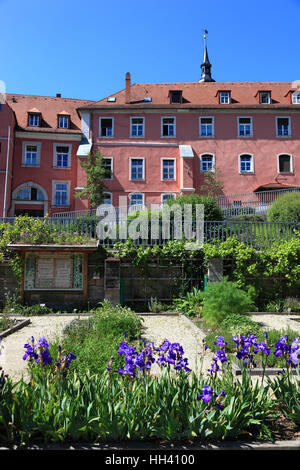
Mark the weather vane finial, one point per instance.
(205, 33)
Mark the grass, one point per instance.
(6, 323)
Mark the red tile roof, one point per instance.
(197, 94)
(49, 107)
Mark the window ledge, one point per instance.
(24, 165)
(61, 167)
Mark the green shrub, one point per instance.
(155, 306)
(222, 299)
(291, 304)
(240, 324)
(190, 304)
(212, 210)
(95, 340)
(285, 209)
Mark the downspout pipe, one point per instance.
(6, 172)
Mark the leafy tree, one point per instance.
(96, 173)
(213, 183)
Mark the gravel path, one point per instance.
(12, 346)
(178, 329)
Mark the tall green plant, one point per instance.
(222, 299)
(95, 173)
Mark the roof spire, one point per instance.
(206, 65)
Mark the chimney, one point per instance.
(58, 95)
(127, 88)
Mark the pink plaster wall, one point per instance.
(226, 146)
(45, 173)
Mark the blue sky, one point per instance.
(82, 49)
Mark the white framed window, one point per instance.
(137, 169)
(137, 127)
(264, 97)
(165, 197)
(296, 97)
(283, 126)
(33, 120)
(61, 193)
(224, 97)
(62, 155)
(108, 165)
(285, 163)
(206, 126)
(106, 127)
(30, 193)
(63, 122)
(136, 199)
(168, 169)
(168, 126)
(107, 198)
(31, 153)
(246, 163)
(207, 163)
(245, 128)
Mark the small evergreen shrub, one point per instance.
(222, 299)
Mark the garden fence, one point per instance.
(256, 234)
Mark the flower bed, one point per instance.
(125, 401)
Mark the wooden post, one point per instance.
(22, 278)
(85, 278)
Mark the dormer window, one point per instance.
(224, 97)
(33, 120)
(265, 97)
(296, 97)
(63, 122)
(175, 96)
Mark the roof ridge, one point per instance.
(49, 96)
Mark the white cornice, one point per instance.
(227, 109)
(117, 143)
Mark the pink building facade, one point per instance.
(158, 139)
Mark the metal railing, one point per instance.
(231, 204)
(248, 203)
(256, 234)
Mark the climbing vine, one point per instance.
(173, 252)
(272, 272)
